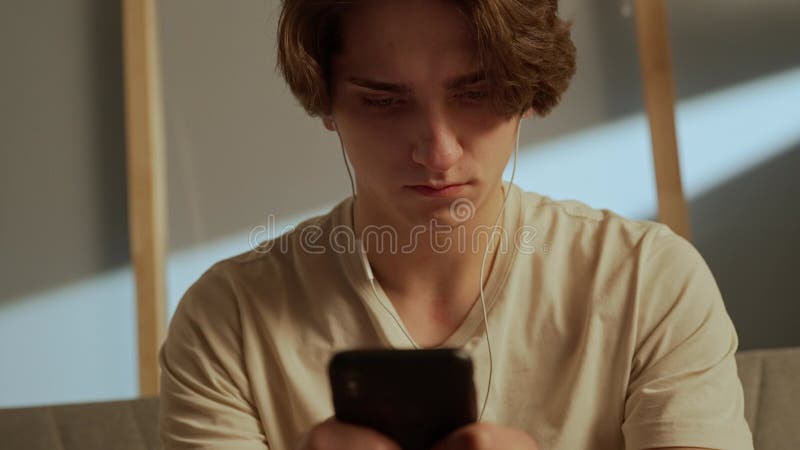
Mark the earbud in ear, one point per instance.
(331, 122)
(530, 112)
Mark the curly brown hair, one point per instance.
(524, 48)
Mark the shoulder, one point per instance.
(262, 272)
(575, 226)
(630, 267)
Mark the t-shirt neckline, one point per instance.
(381, 311)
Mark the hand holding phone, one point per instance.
(414, 397)
(333, 434)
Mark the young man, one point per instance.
(607, 333)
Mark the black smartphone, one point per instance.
(415, 397)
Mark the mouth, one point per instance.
(439, 190)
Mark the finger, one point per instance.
(335, 435)
(470, 437)
(486, 436)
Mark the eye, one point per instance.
(382, 102)
(474, 95)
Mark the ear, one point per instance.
(329, 123)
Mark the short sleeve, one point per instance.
(205, 399)
(684, 389)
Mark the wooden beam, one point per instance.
(659, 96)
(146, 169)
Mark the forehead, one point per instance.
(410, 39)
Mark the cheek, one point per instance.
(492, 147)
(480, 124)
(375, 150)
(376, 140)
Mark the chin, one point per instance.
(440, 212)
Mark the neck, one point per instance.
(432, 265)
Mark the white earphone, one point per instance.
(371, 277)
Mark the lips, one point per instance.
(439, 190)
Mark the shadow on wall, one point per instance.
(108, 155)
(62, 117)
(714, 43)
(748, 231)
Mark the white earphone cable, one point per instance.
(362, 250)
(483, 266)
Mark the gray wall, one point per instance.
(62, 177)
(239, 148)
(715, 43)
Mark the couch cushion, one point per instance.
(124, 425)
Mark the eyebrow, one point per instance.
(453, 83)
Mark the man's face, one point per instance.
(412, 111)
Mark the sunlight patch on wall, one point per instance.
(76, 343)
(721, 135)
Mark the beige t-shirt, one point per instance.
(607, 333)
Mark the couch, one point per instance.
(771, 381)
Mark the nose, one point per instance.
(438, 148)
